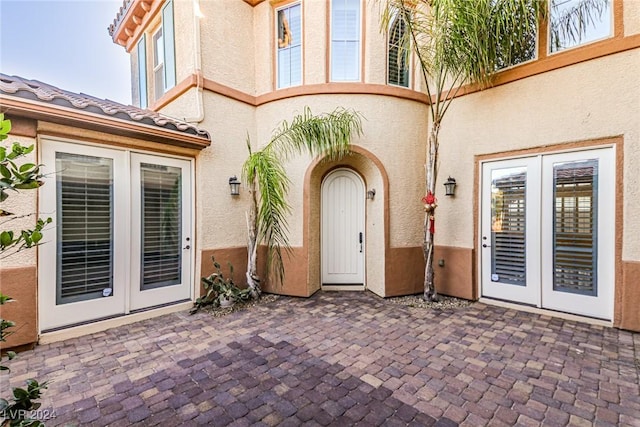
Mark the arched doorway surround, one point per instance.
(373, 173)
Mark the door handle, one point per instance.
(360, 241)
(484, 245)
(187, 247)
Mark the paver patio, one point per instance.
(343, 359)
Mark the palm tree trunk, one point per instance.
(253, 280)
(430, 293)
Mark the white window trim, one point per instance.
(277, 61)
(360, 45)
(409, 59)
(581, 44)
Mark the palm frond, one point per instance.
(327, 134)
(322, 135)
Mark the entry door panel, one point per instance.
(510, 232)
(579, 232)
(551, 222)
(160, 222)
(343, 229)
(82, 270)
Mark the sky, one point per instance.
(65, 43)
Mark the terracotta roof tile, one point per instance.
(119, 16)
(38, 91)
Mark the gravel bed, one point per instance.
(443, 302)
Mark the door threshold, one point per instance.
(546, 312)
(65, 333)
(343, 287)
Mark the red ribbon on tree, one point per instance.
(429, 199)
(430, 204)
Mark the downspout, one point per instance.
(197, 62)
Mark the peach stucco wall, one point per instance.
(588, 101)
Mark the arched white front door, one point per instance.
(343, 239)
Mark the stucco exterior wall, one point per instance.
(631, 17)
(394, 130)
(590, 100)
(228, 44)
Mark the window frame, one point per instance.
(277, 48)
(396, 18)
(143, 94)
(611, 35)
(158, 46)
(331, 40)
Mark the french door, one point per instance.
(122, 233)
(342, 226)
(547, 231)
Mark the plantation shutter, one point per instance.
(397, 70)
(508, 228)
(142, 71)
(574, 227)
(345, 40)
(169, 46)
(161, 201)
(84, 209)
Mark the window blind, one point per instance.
(574, 227)
(289, 46)
(345, 40)
(84, 208)
(161, 210)
(508, 238)
(397, 69)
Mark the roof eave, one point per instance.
(97, 122)
(126, 30)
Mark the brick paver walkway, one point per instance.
(343, 359)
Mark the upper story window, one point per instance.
(576, 22)
(345, 40)
(289, 42)
(514, 53)
(158, 64)
(398, 55)
(142, 71)
(163, 59)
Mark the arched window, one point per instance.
(398, 55)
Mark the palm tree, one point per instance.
(326, 135)
(462, 42)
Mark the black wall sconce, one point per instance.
(450, 187)
(234, 186)
(371, 194)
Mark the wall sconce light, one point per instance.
(450, 187)
(371, 194)
(234, 186)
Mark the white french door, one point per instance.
(547, 233)
(510, 240)
(343, 243)
(121, 236)
(160, 219)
